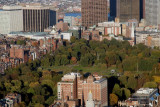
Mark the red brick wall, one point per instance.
(16, 53)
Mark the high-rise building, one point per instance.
(142, 9)
(113, 8)
(27, 19)
(35, 19)
(98, 86)
(94, 12)
(152, 13)
(73, 88)
(53, 16)
(68, 86)
(11, 19)
(128, 9)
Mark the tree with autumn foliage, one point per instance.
(113, 99)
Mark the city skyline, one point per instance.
(79, 53)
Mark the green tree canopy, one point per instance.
(150, 85)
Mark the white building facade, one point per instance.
(152, 12)
(11, 19)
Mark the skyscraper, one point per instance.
(35, 19)
(94, 12)
(152, 13)
(128, 9)
(142, 9)
(113, 8)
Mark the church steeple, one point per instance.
(90, 101)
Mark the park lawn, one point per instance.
(101, 69)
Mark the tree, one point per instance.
(155, 54)
(150, 85)
(38, 99)
(87, 60)
(93, 44)
(20, 42)
(111, 58)
(73, 60)
(117, 90)
(64, 60)
(16, 86)
(113, 99)
(123, 80)
(130, 64)
(73, 39)
(132, 82)
(46, 62)
(38, 105)
(50, 100)
(22, 104)
(127, 93)
(7, 86)
(58, 60)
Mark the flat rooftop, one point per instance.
(144, 92)
(73, 14)
(101, 80)
(30, 33)
(14, 7)
(73, 74)
(35, 7)
(148, 32)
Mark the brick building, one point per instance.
(94, 12)
(20, 53)
(98, 87)
(95, 35)
(62, 26)
(111, 28)
(73, 88)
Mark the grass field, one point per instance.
(101, 69)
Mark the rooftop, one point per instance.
(144, 92)
(73, 73)
(29, 33)
(12, 7)
(101, 80)
(73, 14)
(148, 32)
(35, 7)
